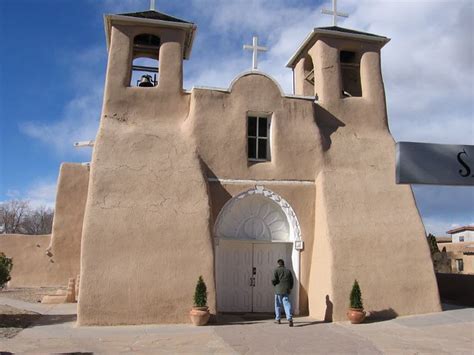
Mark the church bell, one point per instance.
(146, 81)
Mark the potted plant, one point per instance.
(200, 312)
(356, 312)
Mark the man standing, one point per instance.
(283, 282)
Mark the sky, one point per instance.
(53, 61)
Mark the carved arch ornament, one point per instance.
(258, 214)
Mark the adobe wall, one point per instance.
(65, 245)
(368, 228)
(147, 208)
(32, 265)
(456, 247)
(218, 120)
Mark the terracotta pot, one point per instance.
(199, 315)
(356, 315)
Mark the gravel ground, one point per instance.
(14, 320)
(32, 295)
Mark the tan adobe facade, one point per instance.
(173, 193)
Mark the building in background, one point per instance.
(459, 249)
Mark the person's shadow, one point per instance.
(329, 310)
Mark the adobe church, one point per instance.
(223, 182)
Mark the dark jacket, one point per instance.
(282, 280)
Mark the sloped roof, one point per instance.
(444, 239)
(154, 15)
(347, 30)
(461, 229)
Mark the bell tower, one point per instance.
(341, 67)
(146, 49)
(334, 63)
(142, 165)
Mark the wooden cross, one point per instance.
(255, 48)
(334, 13)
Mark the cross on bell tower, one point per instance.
(334, 13)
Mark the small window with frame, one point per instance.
(258, 137)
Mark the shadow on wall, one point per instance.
(327, 124)
(329, 310)
(218, 194)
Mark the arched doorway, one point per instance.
(253, 230)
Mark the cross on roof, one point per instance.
(255, 48)
(334, 13)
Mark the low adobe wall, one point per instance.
(50, 260)
(31, 265)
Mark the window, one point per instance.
(461, 238)
(460, 264)
(258, 136)
(146, 48)
(350, 71)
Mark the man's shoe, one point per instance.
(277, 321)
(291, 323)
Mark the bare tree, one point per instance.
(12, 215)
(16, 216)
(39, 221)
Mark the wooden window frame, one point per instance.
(257, 137)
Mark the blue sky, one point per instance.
(54, 58)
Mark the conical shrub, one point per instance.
(356, 296)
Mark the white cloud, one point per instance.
(79, 122)
(40, 193)
(80, 117)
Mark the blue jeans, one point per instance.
(283, 300)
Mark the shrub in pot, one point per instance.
(200, 312)
(356, 313)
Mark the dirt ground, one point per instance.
(14, 320)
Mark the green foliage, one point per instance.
(432, 243)
(356, 296)
(6, 265)
(200, 295)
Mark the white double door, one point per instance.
(244, 273)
